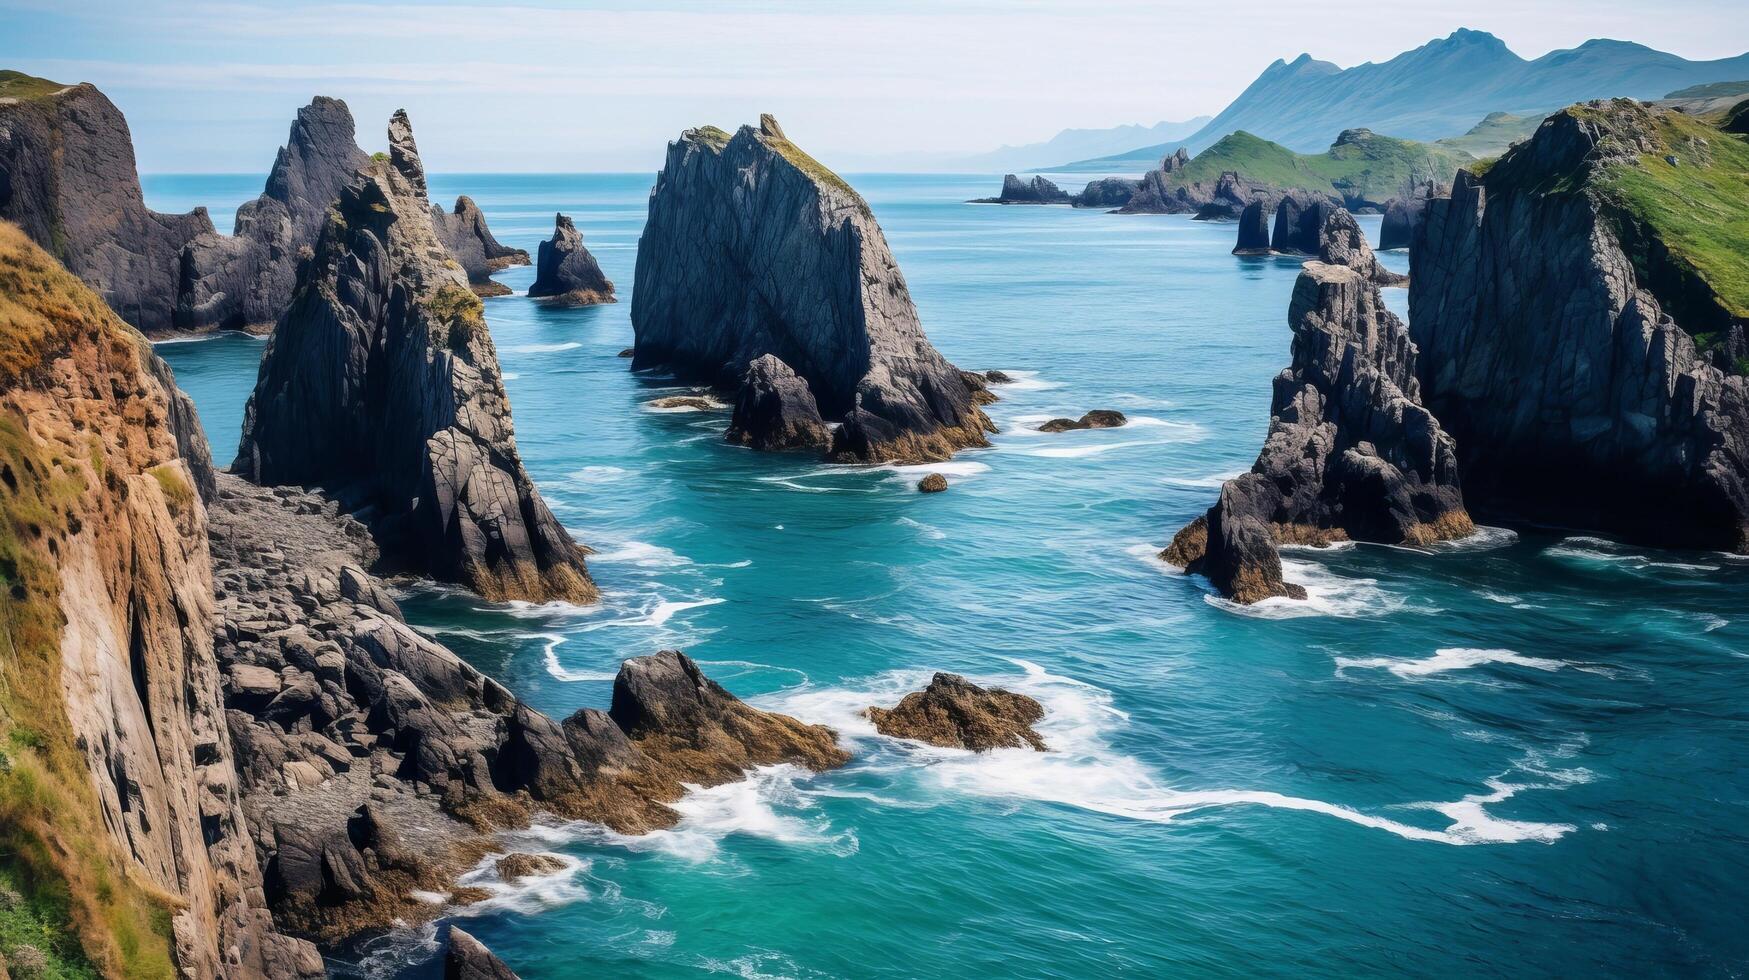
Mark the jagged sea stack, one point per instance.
(463, 231)
(381, 384)
(752, 248)
(1253, 230)
(67, 178)
(1583, 333)
(246, 279)
(566, 274)
(1351, 453)
(1341, 242)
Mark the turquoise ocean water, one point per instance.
(1522, 755)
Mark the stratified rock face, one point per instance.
(1544, 310)
(469, 959)
(1107, 192)
(1253, 230)
(776, 410)
(463, 231)
(111, 610)
(567, 273)
(381, 383)
(67, 178)
(955, 713)
(1341, 242)
(246, 280)
(754, 248)
(1351, 452)
(1038, 190)
(1404, 214)
(1299, 224)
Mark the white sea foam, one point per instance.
(1213, 481)
(1603, 551)
(1456, 658)
(510, 376)
(1484, 539)
(543, 348)
(1024, 381)
(557, 670)
(597, 474)
(1095, 449)
(934, 534)
(1327, 594)
(527, 895)
(640, 553)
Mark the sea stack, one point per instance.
(566, 274)
(752, 247)
(245, 280)
(381, 384)
(776, 410)
(1351, 452)
(1341, 242)
(463, 231)
(1038, 190)
(1253, 230)
(67, 178)
(1581, 344)
(1299, 224)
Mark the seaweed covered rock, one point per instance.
(954, 713)
(465, 234)
(753, 248)
(381, 384)
(1351, 452)
(566, 274)
(776, 410)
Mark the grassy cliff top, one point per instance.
(1360, 163)
(18, 85)
(42, 306)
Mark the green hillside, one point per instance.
(1714, 90)
(18, 85)
(1360, 166)
(1494, 135)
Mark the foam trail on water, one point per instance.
(1327, 594)
(1213, 481)
(1458, 658)
(557, 670)
(543, 348)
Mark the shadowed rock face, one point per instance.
(1341, 242)
(776, 410)
(566, 273)
(246, 279)
(468, 959)
(1224, 198)
(463, 231)
(67, 178)
(1545, 317)
(1107, 192)
(1299, 224)
(957, 714)
(1404, 214)
(754, 248)
(1351, 452)
(1253, 230)
(381, 384)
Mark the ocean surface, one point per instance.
(1525, 754)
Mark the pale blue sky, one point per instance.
(212, 86)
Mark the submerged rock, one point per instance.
(464, 232)
(954, 713)
(776, 410)
(245, 280)
(381, 383)
(67, 178)
(1351, 452)
(932, 483)
(753, 248)
(998, 377)
(1099, 418)
(468, 959)
(566, 274)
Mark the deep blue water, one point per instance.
(1523, 756)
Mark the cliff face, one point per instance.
(567, 274)
(1351, 452)
(246, 279)
(67, 178)
(463, 231)
(1567, 303)
(381, 383)
(113, 701)
(1404, 214)
(754, 248)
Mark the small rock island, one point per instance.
(954, 713)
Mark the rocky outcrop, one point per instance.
(932, 483)
(1253, 230)
(1099, 418)
(1566, 335)
(123, 804)
(381, 384)
(776, 410)
(567, 275)
(1107, 192)
(67, 178)
(1038, 190)
(753, 248)
(954, 713)
(464, 233)
(1299, 224)
(1341, 242)
(1165, 191)
(1351, 452)
(468, 959)
(245, 280)
(1404, 214)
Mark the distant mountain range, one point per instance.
(1441, 89)
(1070, 144)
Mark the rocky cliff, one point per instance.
(1404, 213)
(245, 280)
(1107, 192)
(753, 248)
(464, 232)
(567, 274)
(67, 178)
(381, 383)
(1351, 452)
(119, 801)
(1576, 305)
(1038, 190)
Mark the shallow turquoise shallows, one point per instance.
(1521, 755)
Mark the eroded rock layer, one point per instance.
(753, 248)
(381, 384)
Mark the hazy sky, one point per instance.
(212, 86)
